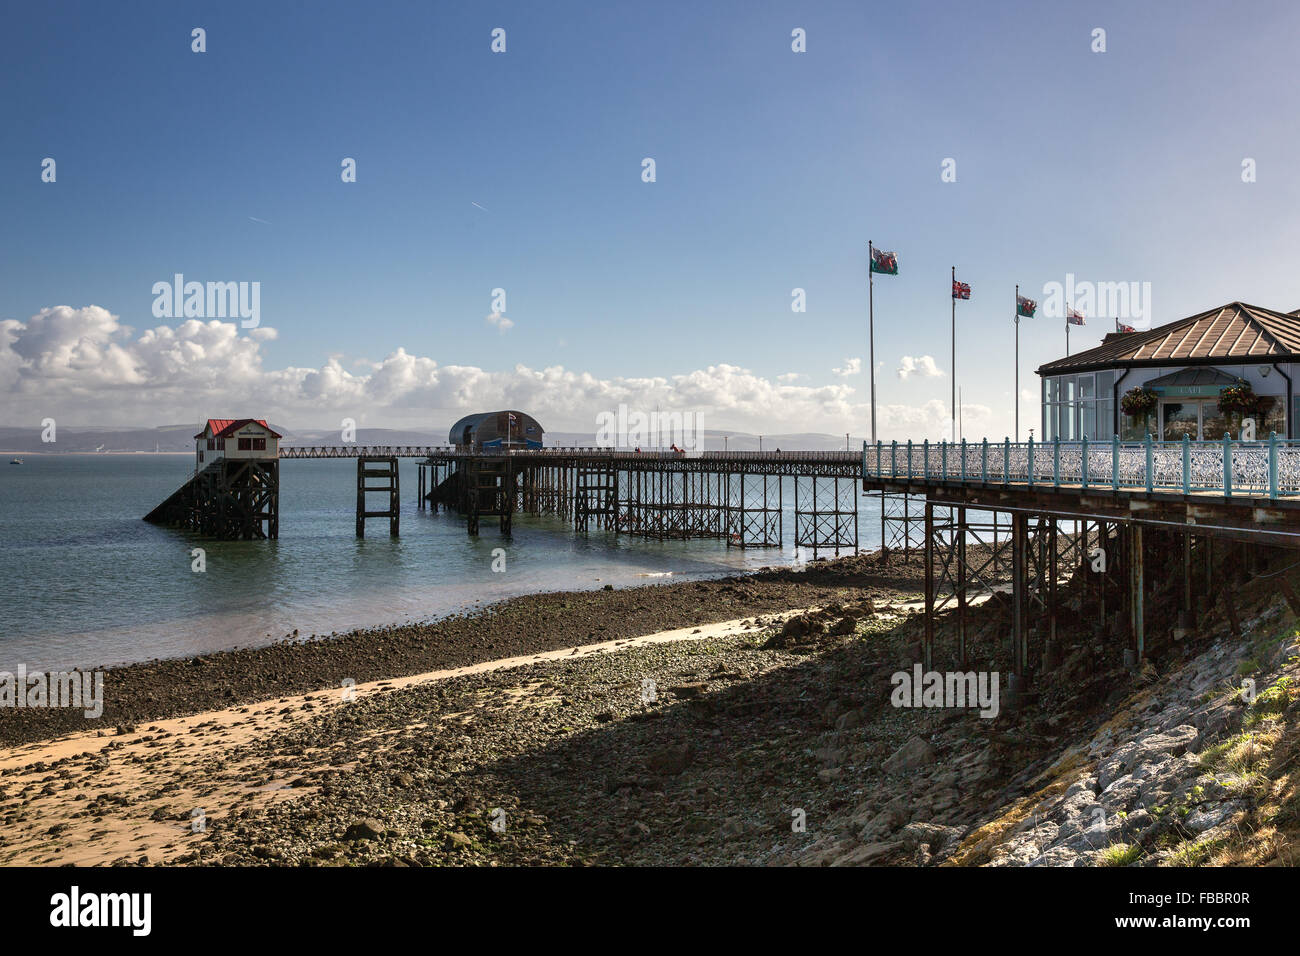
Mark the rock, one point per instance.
(1200, 820)
(917, 752)
(831, 713)
(1145, 750)
(367, 829)
(931, 836)
(849, 721)
(458, 842)
(868, 853)
(671, 760)
(796, 627)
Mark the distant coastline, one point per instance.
(20, 451)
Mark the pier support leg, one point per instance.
(1137, 590)
(1053, 572)
(961, 587)
(1019, 587)
(927, 652)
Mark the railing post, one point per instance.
(943, 458)
(1150, 461)
(879, 451)
(1227, 466)
(925, 460)
(1083, 471)
(909, 460)
(893, 459)
(963, 460)
(1006, 461)
(1029, 471)
(1272, 465)
(1056, 462)
(1187, 464)
(984, 463)
(864, 459)
(1114, 463)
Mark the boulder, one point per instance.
(914, 754)
(367, 829)
(671, 760)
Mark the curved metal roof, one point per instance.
(521, 426)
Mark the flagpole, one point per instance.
(871, 324)
(1067, 330)
(954, 353)
(1017, 395)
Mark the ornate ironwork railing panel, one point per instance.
(1269, 468)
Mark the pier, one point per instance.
(1143, 522)
(735, 497)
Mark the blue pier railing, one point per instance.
(1256, 469)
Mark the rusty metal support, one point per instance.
(928, 647)
(1137, 589)
(961, 587)
(1019, 587)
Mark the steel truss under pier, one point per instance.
(902, 524)
(1118, 560)
(736, 497)
(754, 511)
(230, 499)
(378, 475)
(832, 523)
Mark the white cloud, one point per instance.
(500, 321)
(852, 366)
(923, 366)
(83, 366)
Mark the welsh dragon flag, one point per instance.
(1026, 307)
(886, 263)
(1074, 317)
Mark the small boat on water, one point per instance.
(15, 461)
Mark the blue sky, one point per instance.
(773, 171)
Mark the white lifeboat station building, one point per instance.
(1224, 371)
(235, 438)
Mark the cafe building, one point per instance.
(1220, 372)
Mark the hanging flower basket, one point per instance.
(1239, 399)
(1138, 402)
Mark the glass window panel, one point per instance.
(1214, 423)
(1131, 428)
(1088, 425)
(1105, 418)
(1086, 387)
(1180, 418)
(1270, 418)
(1105, 384)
